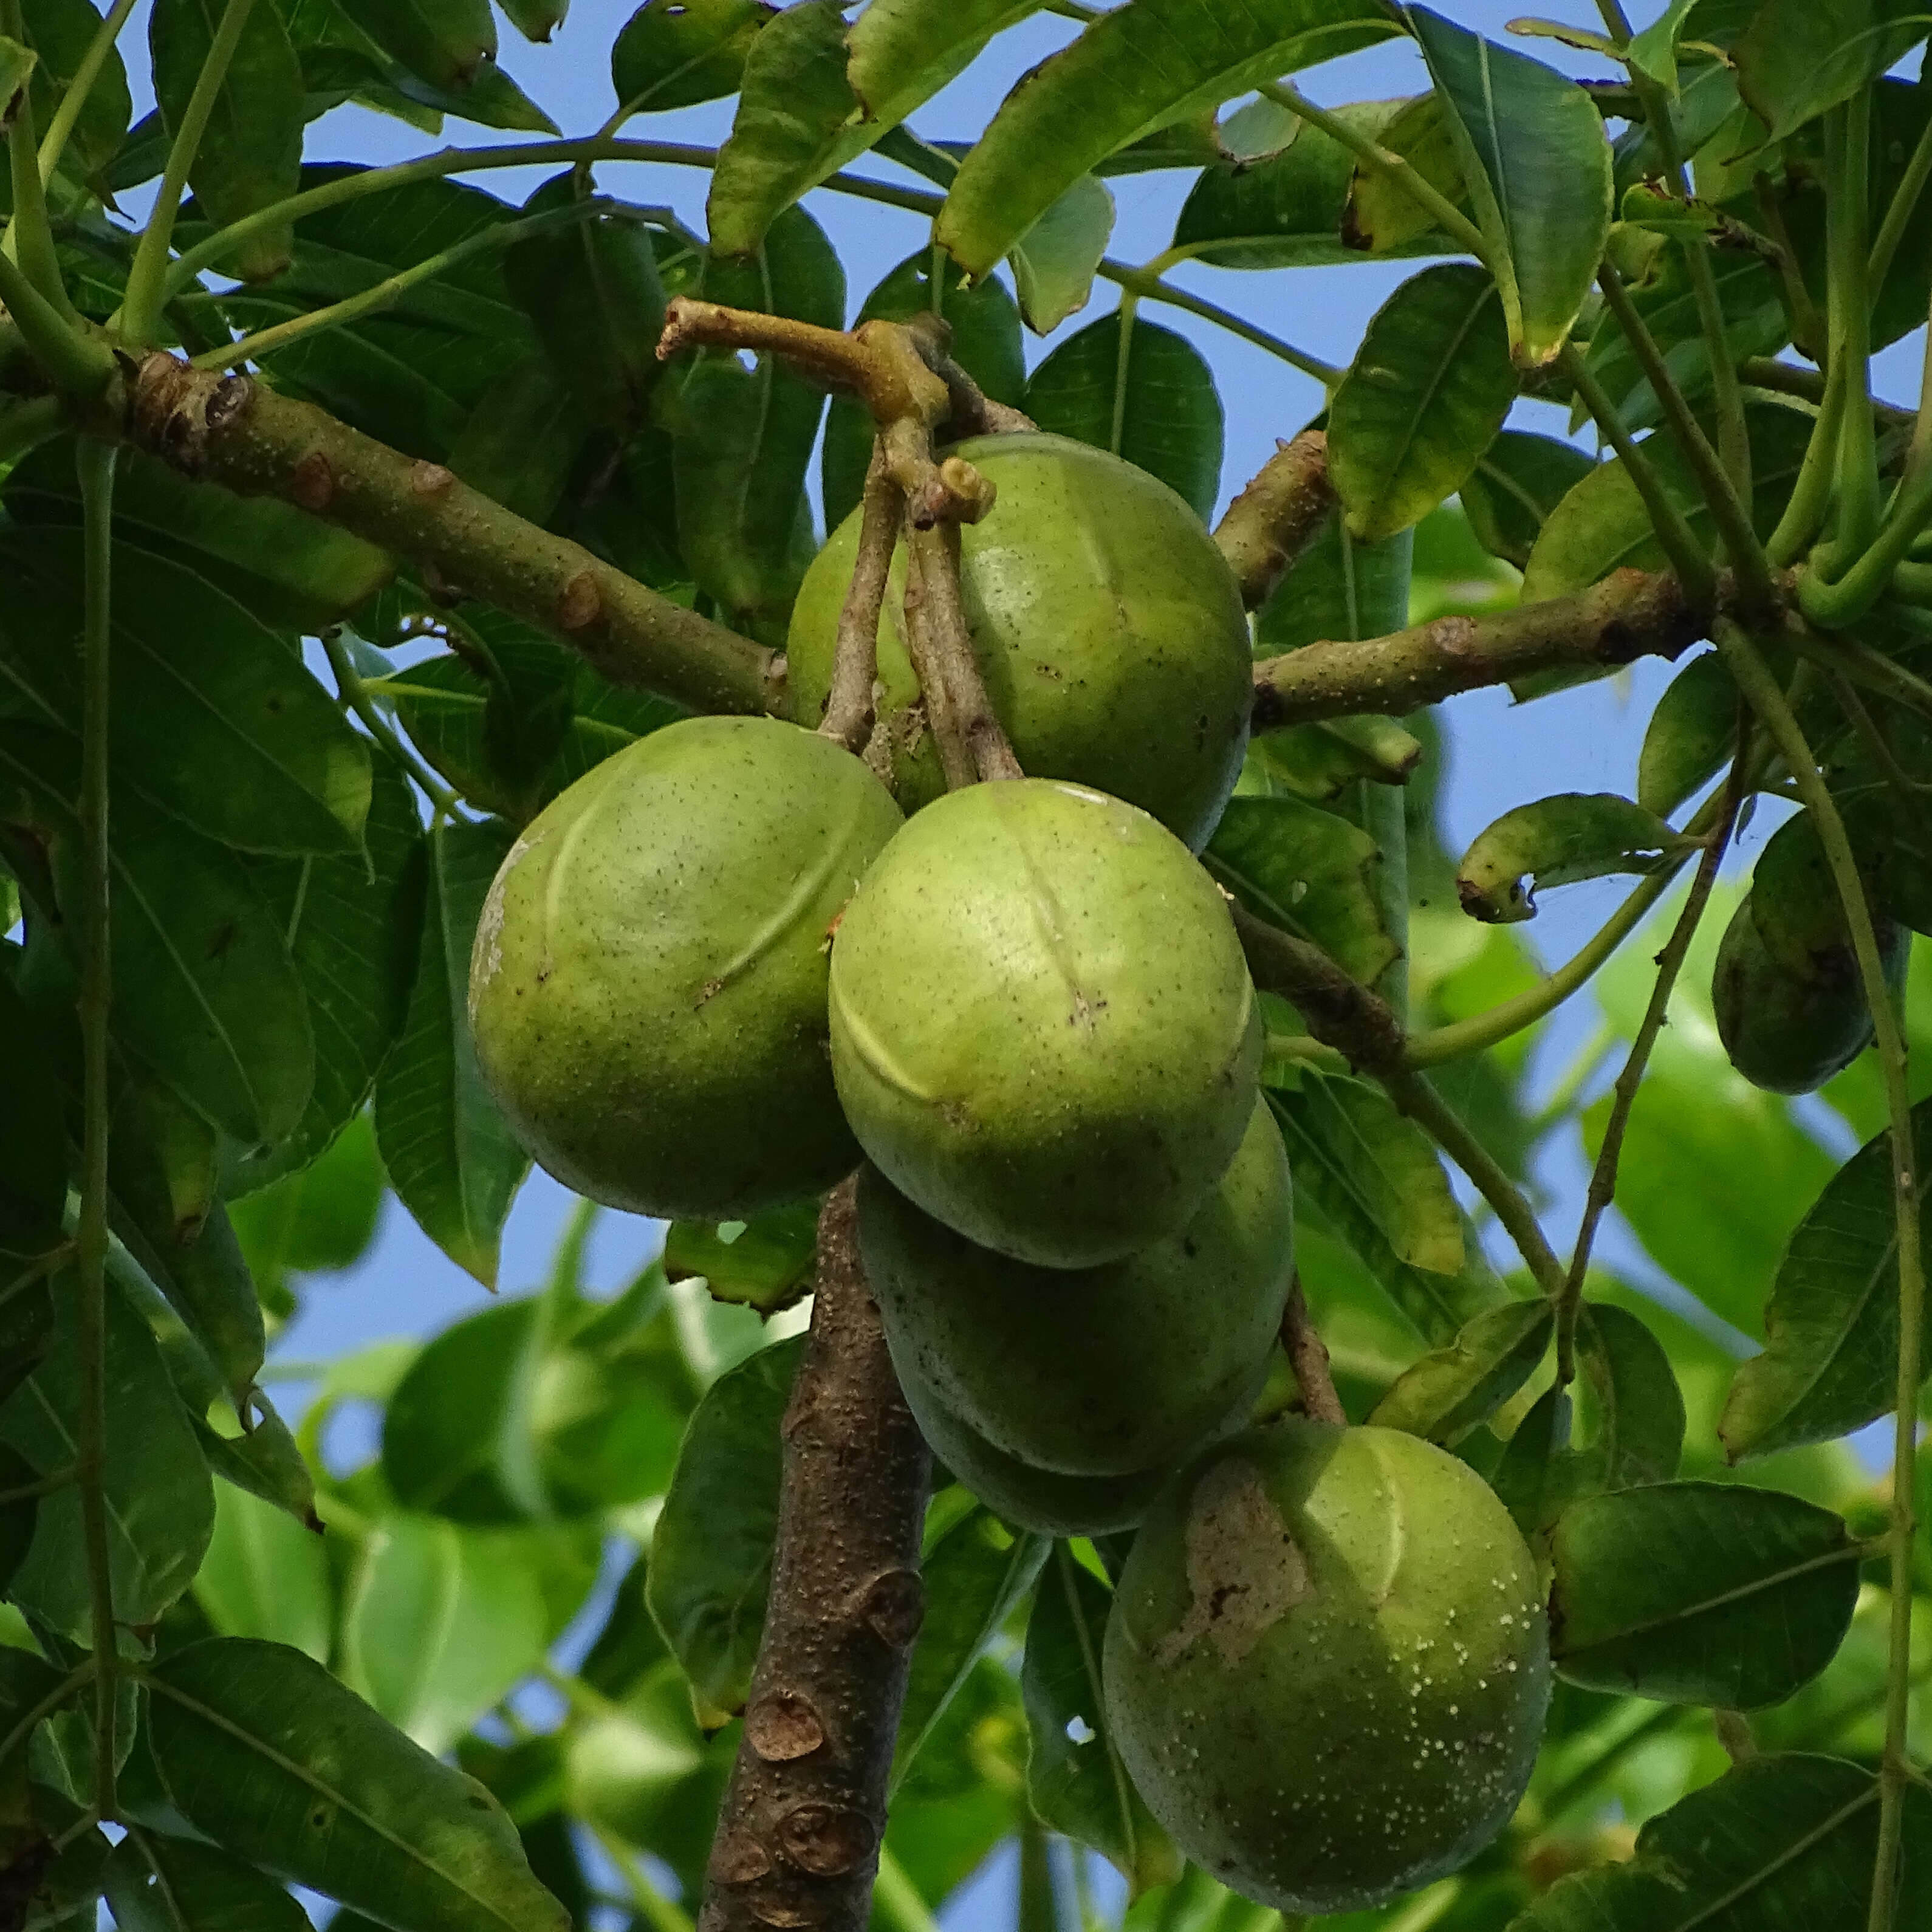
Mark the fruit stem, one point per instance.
(1308, 1357)
(850, 712)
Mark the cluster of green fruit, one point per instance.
(723, 968)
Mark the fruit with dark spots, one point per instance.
(1100, 1371)
(647, 989)
(1328, 1664)
(1107, 625)
(1043, 1027)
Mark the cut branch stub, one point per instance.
(799, 1833)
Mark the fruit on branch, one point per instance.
(1107, 625)
(1101, 1371)
(1790, 1031)
(1328, 1664)
(1042, 1028)
(1047, 1502)
(648, 988)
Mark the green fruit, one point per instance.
(1328, 1664)
(1093, 1372)
(1790, 1032)
(1042, 1028)
(647, 991)
(1107, 625)
(1040, 1500)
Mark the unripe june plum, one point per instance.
(1785, 1031)
(1107, 625)
(1101, 1371)
(1043, 1027)
(1328, 1664)
(647, 990)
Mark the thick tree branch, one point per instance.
(1340, 1011)
(1629, 615)
(239, 433)
(1272, 521)
(800, 1829)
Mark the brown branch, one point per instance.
(239, 433)
(799, 1833)
(1341, 1011)
(1629, 615)
(948, 643)
(851, 711)
(1274, 519)
(1308, 1357)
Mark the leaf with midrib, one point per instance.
(262, 1750)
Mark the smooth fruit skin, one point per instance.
(1107, 625)
(647, 989)
(1786, 1033)
(1328, 1664)
(1093, 1372)
(1043, 1027)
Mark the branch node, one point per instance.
(583, 604)
(312, 483)
(782, 1727)
(430, 479)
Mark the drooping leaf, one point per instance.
(450, 1154)
(1781, 1844)
(536, 19)
(1380, 214)
(675, 53)
(1142, 67)
(1795, 62)
(1309, 872)
(765, 1263)
(448, 43)
(438, 1625)
(1692, 732)
(1830, 1363)
(903, 51)
(1074, 1779)
(319, 1220)
(743, 438)
(250, 154)
(264, 1751)
(1633, 1407)
(1156, 404)
(157, 1884)
(1537, 165)
(1700, 1593)
(1516, 484)
(265, 1576)
(161, 1506)
(974, 1575)
(1454, 1390)
(1555, 842)
(1423, 400)
(213, 715)
(1055, 261)
(711, 1554)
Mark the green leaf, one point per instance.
(33, 1137)
(1634, 1408)
(157, 1884)
(711, 1553)
(1692, 734)
(1424, 397)
(159, 1504)
(319, 1220)
(438, 1625)
(265, 1461)
(1795, 62)
(1393, 1168)
(450, 1154)
(974, 1575)
(1055, 261)
(1700, 1593)
(1538, 164)
(265, 1576)
(536, 19)
(1380, 214)
(17, 1518)
(1075, 1781)
(213, 715)
(1454, 1390)
(1140, 68)
(1516, 484)
(249, 156)
(986, 343)
(1151, 399)
(448, 44)
(675, 53)
(1781, 1844)
(1311, 873)
(1322, 761)
(1830, 1363)
(261, 1749)
(765, 1263)
(1557, 841)
(1653, 52)
(293, 572)
(61, 32)
(742, 439)
(904, 51)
